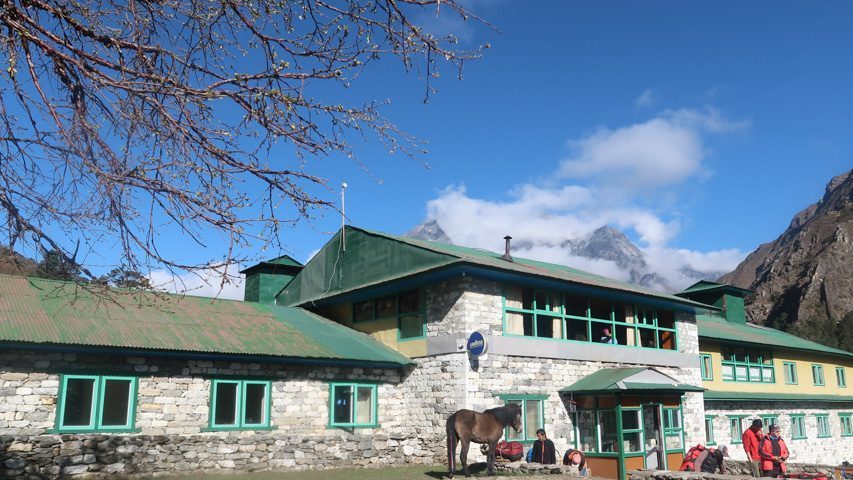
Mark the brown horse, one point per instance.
(469, 426)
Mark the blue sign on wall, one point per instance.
(476, 344)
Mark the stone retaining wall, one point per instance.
(738, 470)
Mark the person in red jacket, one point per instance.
(751, 438)
(774, 453)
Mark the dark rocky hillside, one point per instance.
(803, 280)
(12, 263)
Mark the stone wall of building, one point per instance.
(830, 450)
(173, 404)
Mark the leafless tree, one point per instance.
(121, 115)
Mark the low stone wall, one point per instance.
(55, 456)
(738, 470)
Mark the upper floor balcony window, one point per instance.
(537, 313)
(742, 365)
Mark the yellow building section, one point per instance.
(384, 330)
(801, 359)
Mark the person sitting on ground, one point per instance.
(544, 451)
(576, 458)
(711, 460)
(774, 453)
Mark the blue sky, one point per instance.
(698, 128)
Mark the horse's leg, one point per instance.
(463, 454)
(490, 459)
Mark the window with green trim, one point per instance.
(352, 405)
(709, 430)
(817, 375)
(90, 403)
(706, 367)
(532, 418)
(823, 425)
(742, 365)
(587, 431)
(536, 313)
(790, 372)
(632, 431)
(736, 428)
(769, 419)
(407, 307)
(239, 404)
(840, 377)
(846, 420)
(673, 430)
(798, 426)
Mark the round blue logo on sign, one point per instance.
(476, 344)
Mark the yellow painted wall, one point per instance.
(384, 330)
(803, 361)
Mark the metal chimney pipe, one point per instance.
(506, 256)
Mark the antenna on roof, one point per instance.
(343, 216)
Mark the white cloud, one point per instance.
(206, 283)
(646, 99)
(643, 160)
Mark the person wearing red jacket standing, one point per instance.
(751, 438)
(774, 453)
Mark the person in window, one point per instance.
(774, 453)
(751, 438)
(544, 451)
(607, 337)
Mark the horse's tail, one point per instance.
(452, 441)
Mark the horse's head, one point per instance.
(515, 410)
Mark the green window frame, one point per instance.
(673, 430)
(408, 307)
(706, 367)
(239, 404)
(741, 365)
(532, 416)
(709, 430)
(846, 420)
(553, 315)
(347, 408)
(769, 419)
(736, 428)
(817, 375)
(96, 403)
(632, 431)
(823, 430)
(798, 426)
(790, 369)
(841, 377)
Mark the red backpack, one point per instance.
(511, 451)
(690, 457)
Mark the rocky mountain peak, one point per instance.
(429, 230)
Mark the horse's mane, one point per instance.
(505, 414)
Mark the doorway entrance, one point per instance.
(652, 435)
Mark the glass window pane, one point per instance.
(527, 298)
(577, 330)
(666, 340)
(545, 327)
(342, 399)
(575, 305)
(532, 417)
(362, 310)
(609, 436)
(631, 442)
(412, 325)
(255, 408)
(410, 302)
(77, 398)
(599, 308)
(364, 406)
(116, 403)
(741, 372)
(767, 375)
(755, 374)
(647, 338)
(673, 442)
(541, 299)
(386, 306)
(511, 433)
(709, 430)
(666, 319)
(728, 372)
(586, 431)
(515, 323)
(630, 419)
(226, 403)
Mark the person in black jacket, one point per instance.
(544, 451)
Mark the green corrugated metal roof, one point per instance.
(282, 263)
(612, 380)
(49, 312)
(381, 257)
(705, 285)
(718, 328)
(774, 397)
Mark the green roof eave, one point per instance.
(619, 380)
(706, 286)
(774, 397)
(723, 330)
